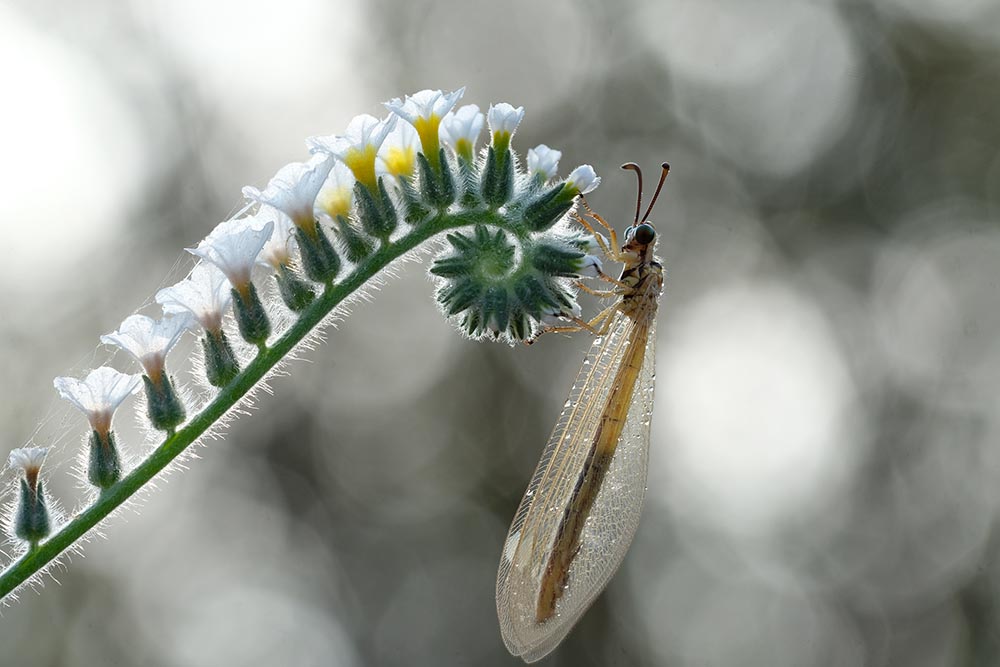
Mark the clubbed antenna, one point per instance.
(638, 196)
(659, 186)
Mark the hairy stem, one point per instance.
(113, 497)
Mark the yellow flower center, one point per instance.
(277, 258)
(399, 160)
(427, 130)
(335, 201)
(464, 148)
(306, 222)
(501, 141)
(362, 162)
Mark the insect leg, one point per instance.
(604, 294)
(598, 326)
(608, 250)
(604, 223)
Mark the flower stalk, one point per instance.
(174, 445)
(510, 267)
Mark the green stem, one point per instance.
(111, 498)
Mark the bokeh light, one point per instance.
(825, 461)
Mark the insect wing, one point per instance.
(614, 517)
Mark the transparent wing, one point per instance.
(613, 519)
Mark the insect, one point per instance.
(581, 509)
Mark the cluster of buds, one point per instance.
(511, 270)
(505, 281)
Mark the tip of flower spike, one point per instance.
(492, 290)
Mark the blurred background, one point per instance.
(825, 469)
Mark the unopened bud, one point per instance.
(163, 406)
(105, 466)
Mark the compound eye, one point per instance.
(644, 234)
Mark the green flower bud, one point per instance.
(163, 406)
(319, 260)
(356, 244)
(498, 178)
(376, 210)
(31, 518)
(437, 185)
(254, 324)
(31, 523)
(104, 468)
(294, 291)
(556, 260)
(221, 366)
(492, 290)
(415, 211)
(549, 208)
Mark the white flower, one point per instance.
(358, 146)
(425, 106)
(503, 120)
(595, 243)
(206, 294)
(543, 160)
(28, 459)
(398, 155)
(149, 340)
(294, 188)
(591, 267)
(552, 317)
(99, 394)
(583, 179)
(461, 128)
(277, 252)
(424, 111)
(335, 197)
(233, 246)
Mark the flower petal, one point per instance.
(583, 178)
(543, 160)
(206, 294)
(234, 245)
(27, 458)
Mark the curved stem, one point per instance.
(110, 499)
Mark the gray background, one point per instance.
(824, 483)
